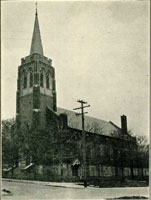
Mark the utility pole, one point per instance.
(83, 138)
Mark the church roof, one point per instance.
(92, 124)
(36, 44)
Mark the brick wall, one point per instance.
(44, 101)
(26, 109)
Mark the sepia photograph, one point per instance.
(75, 81)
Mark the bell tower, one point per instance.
(35, 85)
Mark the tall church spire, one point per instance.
(36, 44)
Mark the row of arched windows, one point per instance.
(35, 79)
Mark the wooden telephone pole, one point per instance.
(83, 138)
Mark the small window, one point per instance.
(93, 171)
(92, 152)
(31, 79)
(106, 151)
(25, 81)
(41, 80)
(102, 150)
(47, 81)
(111, 151)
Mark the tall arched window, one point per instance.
(47, 81)
(31, 79)
(41, 80)
(36, 78)
(25, 81)
(35, 66)
(50, 83)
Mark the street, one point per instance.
(39, 190)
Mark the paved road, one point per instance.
(22, 191)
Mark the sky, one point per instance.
(100, 51)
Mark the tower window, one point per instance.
(36, 78)
(31, 79)
(47, 81)
(51, 83)
(35, 67)
(41, 80)
(25, 81)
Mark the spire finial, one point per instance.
(36, 7)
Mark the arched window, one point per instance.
(35, 66)
(50, 82)
(36, 78)
(47, 81)
(41, 80)
(31, 79)
(25, 81)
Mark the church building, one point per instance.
(36, 107)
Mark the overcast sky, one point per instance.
(100, 51)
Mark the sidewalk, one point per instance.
(53, 184)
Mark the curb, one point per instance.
(44, 183)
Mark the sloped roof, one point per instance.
(28, 166)
(92, 124)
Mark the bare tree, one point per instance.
(94, 127)
(142, 152)
(10, 144)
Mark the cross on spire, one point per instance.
(36, 8)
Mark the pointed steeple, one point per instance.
(36, 44)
